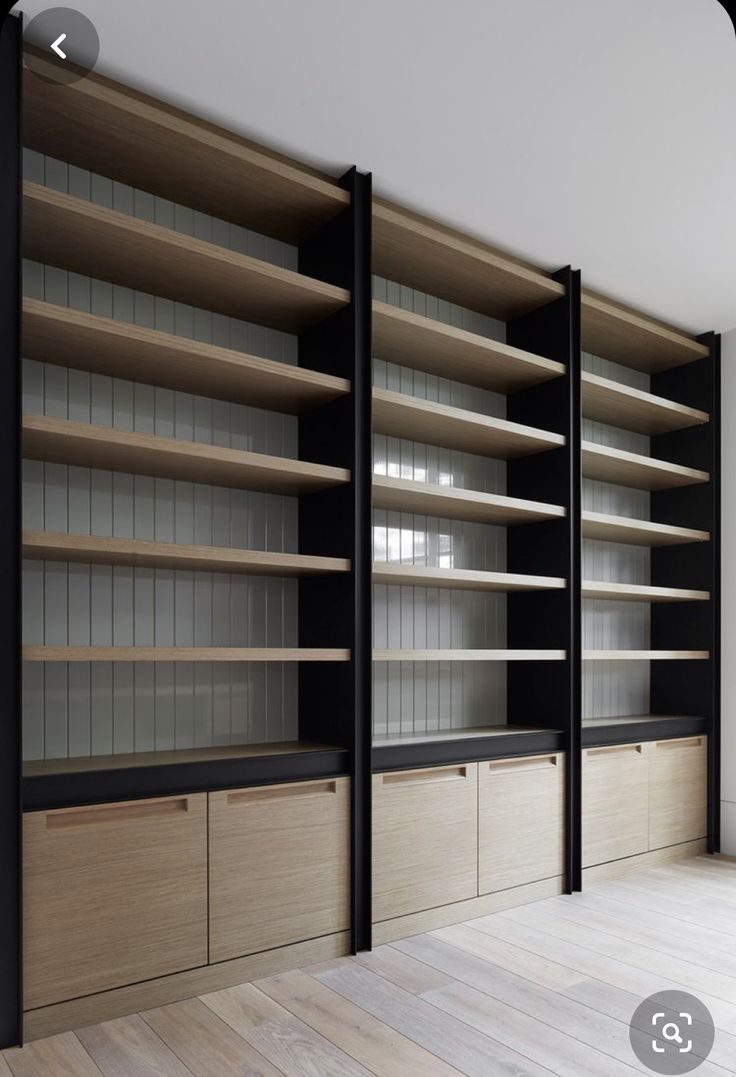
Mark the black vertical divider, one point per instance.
(11, 1015)
(335, 611)
(693, 687)
(548, 694)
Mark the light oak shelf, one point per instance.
(63, 441)
(425, 255)
(452, 503)
(469, 733)
(99, 125)
(400, 336)
(99, 242)
(644, 656)
(402, 416)
(462, 579)
(67, 337)
(184, 654)
(634, 592)
(458, 654)
(83, 764)
(611, 402)
(616, 332)
(631, 469)
(101, 550)
(600, 525)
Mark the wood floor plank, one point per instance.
(57, 1056)
(534, 967)
(594, 964)
(715, 885)
(205, 1044)
(4, 1068)
(558, 1052)
(473, 1053)
(369, 1041)
(402, 970)
(603, 999)
(644, 897)
(598, 1030)
(648, 936)
(290, 1044)
(128, 1047)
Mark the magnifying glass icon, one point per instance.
(671, 1032)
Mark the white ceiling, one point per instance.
(590, 132)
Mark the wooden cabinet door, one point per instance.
(678, 791)
(520, 821)
(615, 803)
(113, 894)
(279, 865)
(425, 839)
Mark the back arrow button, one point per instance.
(55, 46)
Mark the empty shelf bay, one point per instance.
(634, 592)
(101, 550)
(418, 252)
(645, 656)
(459, 654)
(73, 234)
(82, 764)
(63, 441)
(453, 503)
(99, 125)
(462, 579)
(611, 402)
(402, 416)
(53, 653)
(71, 338)
(631, 469)
(627, 337)
(400, 336)
(600, 525)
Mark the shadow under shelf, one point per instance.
(434, 748)
(632, 728)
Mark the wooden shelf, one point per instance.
(411, 340)
(458, 654)
(600, 525)
(636, 719)
(631, 469)
(644, 656)
(185, 654)
(437, 735)
(71, 338)
(99, 125)
(99, 242)
(452, 503)
(83, 764)
(423, 254)
(616, 332)
(462, 579)
(402, 416)
(101, 550)
(611, 402)
(62, 441)
(634, 592)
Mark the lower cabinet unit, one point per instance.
(113, 894)
(425, 839)
(678, 791)
(520, 821)
(615, 803)
(279, 865)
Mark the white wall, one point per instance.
(728, 765)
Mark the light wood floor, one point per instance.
(547, 988)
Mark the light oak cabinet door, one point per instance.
(279, 865)
(520, 821)
(678, 791)
(425, 839)
(113, 894)
(615, 803)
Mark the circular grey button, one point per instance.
(672, 1032)
(65, 45)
